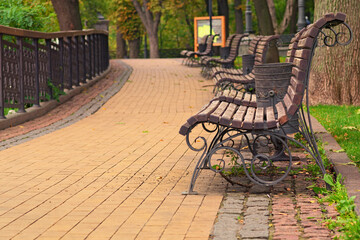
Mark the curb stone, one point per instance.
(85, 111)
(341, 162)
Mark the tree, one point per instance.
(223, 10)
(335, 77)
(150, 15)
(291, 7)
(238, 17)
(129, 27)
(266, 28)
(31, 15)
(68, 14)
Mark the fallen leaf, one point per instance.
(350, 128)
(358, 111)
(339, 151)
(161, 140)
(21, 126)
(165, 122)
(102, 96)
(145, 131)
(120, 123)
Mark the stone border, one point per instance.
(341, 162)
(86, 110)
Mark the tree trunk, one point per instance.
(154, 45)
(223, 10)
(151, 22)
(120, 46)
(68, 14)
(293, 18)
(289, 12)
(134, 48)
(238, 17)
(266, 28)
(335, 76)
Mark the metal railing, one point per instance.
(33, 65)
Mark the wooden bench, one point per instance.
(202, 47)
(226, 79)
(251, 51)
(244, 134)
(190, 55)
(208, 63)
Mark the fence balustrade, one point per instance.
(34, 65)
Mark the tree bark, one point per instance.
(120, 45)
(134, 48)
(68, 14)
(335, 76)
(151, 22)
(238, 17)
(223, 10)
(266, 28)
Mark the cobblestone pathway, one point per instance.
(119, 174)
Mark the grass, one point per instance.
(343, 123)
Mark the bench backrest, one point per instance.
(234, 47)
(302, 63)
(253, 44)
(262, 47)
(229, 40)
(209, 44)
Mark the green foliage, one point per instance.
(89, 10)
(347, 222)
(343, 122)
(56, 91)
(24, 14)
(127, 19)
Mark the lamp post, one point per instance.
(248, 18)
(301, 16)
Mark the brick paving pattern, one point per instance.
(119, 173)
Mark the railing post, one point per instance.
(48, 47)
(70, 63)
(19, 41)
(61, 46)
(77, 83)
(84, 57)
(2, 102)
(37, 73)
(90, 55)
(95, 56)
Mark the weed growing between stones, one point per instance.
(347, 223)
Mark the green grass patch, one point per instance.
(343, 123)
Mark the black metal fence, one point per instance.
(34, 64)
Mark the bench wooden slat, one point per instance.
(306, 43)
(270, 117)
(259, 118)
(249, 118)
(303, 53)
(282, 116)
(216, 115)
(247, 98)
(238, 117)
(301, 63)
(204, 114)
(290, 106)
(239, 97)
(299, 74)
(227, 115)
(296, 97)
(297, 85)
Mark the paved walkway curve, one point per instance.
(118, 173)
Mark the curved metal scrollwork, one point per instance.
(340, 34)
